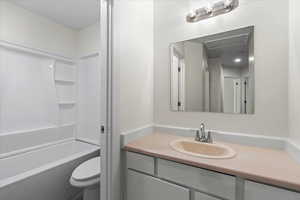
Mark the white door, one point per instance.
(237, 95)
(181, 83)
(228, 95)
(175, 83)
(232, 95)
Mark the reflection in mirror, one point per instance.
(214, 73)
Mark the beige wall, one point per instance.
(271, 53)
(294, 72)
(135, 54)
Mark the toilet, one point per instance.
(87, 177)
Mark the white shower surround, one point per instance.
(28, 94)
(35, 117)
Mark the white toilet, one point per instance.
(87, 176)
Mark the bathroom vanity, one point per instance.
(155, 171)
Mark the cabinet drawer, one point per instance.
(144, 187)
(204, 180)
(140, 162)
(257, 191)
(201, 196)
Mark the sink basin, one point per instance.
(204, 150)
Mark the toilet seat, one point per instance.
(87, 170)
(87, 173)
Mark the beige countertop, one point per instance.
(263, 165)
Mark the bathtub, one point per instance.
(43, 174)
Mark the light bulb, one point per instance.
(192, 14)
(228, 3)
(209, 8)
(237, 60)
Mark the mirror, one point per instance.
(214, 73)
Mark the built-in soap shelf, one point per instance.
(65, 76)
(67, 103)
(65, 71)
(62, 81)
(68, 125)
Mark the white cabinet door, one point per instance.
(257, 191)
(201, 196)
(140, 162)
(144, 187)
(204, 180)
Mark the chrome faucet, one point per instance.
(202, 130)
(203, 138)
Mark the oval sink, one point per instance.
(204, 150)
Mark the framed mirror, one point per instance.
(214, 73)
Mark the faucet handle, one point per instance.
(209, 138)
(197, 138)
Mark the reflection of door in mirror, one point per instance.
(235, 95)
(177, 80)
(237, 101)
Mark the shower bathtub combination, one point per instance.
(44, 173)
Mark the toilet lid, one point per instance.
(87, 170)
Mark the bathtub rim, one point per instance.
(47, 166)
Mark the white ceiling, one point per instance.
(76, 14)
(228, 49)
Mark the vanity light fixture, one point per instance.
(211, 10)
(237, 60)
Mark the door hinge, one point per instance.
(179, 104)
(102, 129)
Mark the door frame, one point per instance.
(106, 103)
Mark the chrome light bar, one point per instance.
(211, 10)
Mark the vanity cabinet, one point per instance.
(204, 180)
(150, 178)
(145, 187)
(201, 196)
(257, 191)
(140, 162)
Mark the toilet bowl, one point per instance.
(87, 177)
